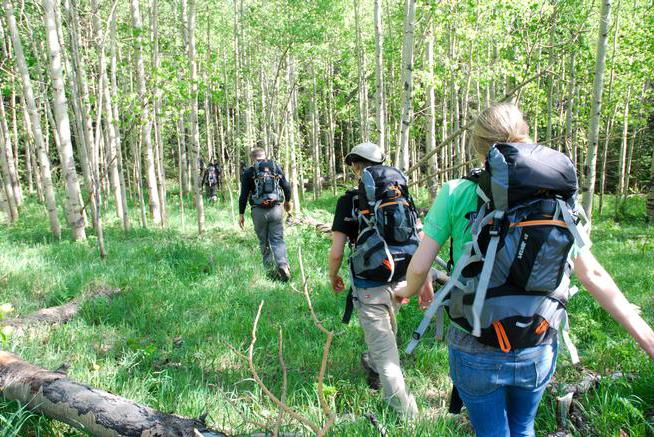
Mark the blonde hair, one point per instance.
(501, 122)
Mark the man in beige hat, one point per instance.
(377, 267)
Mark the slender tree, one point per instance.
(590, 168)
(379, 69)
(60, 109)
(145, 121)
(407, 83)
(195, 134)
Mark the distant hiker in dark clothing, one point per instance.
(211, 180)
(266, 188)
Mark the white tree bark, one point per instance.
(379, 70)
(35, 123)
(431, 114)
(363, 83)
(60, 109)
(195, 134)
(590, 168)
(622, 161)
(407, 83)
(146, 122)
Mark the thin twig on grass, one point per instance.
(280, 402)
(282, 364)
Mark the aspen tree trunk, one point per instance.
(332, 127)
(116, 120)
(379, 65)
(73, 206)
(407, 84)
(12, 135)
(570, 107)
(29, 141)
(195, 134)
(295, 183)
(156, 110)
(6, 163)
(536, 107)
(13, 163)
(35, 119)
(85, 126)
(550, 85)
(630, 156)
(145, 122)
(609, 123)
(315, 137)
(363, 83)
(590, 167)
(12, 174)
(432, 184)
(236, 129)
(622, 162)
(5, 178)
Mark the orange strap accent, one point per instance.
(387, 264)
(542, 327)
(393, 203)
(539, 222)
(502, 339)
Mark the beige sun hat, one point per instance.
(368, 151)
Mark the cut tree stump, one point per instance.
(83, 407)
(59, 314)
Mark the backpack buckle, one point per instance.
(496, 224)
(495, 228)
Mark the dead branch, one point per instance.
(61, 313)
(90, 409)
(282, 364)
(291, 412)
(328, 342)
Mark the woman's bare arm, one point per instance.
(602, 287)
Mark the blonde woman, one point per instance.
(502, 389)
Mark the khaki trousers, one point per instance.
(376, 308)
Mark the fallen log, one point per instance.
(61, 313)
(83, 407)
(566, 412)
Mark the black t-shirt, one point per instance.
(345, 220)
(247, 187)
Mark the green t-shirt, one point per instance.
(449, 216)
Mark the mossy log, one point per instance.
(96, 411)
(61, 313)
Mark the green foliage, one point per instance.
(164, 340)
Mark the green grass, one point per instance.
(164, 340)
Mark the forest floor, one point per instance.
(165, 340)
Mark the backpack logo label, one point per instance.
(523, 245)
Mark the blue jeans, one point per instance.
(501, 391)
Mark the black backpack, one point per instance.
(510, 286)
(387, 218)
(267, 192)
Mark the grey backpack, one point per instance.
(510, 286)
(267, 192)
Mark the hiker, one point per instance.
(501, 372)
(266, 188)
(378, 220)
(211, 180)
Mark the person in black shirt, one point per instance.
(374, 300)
(211, 180)
(265, 187)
